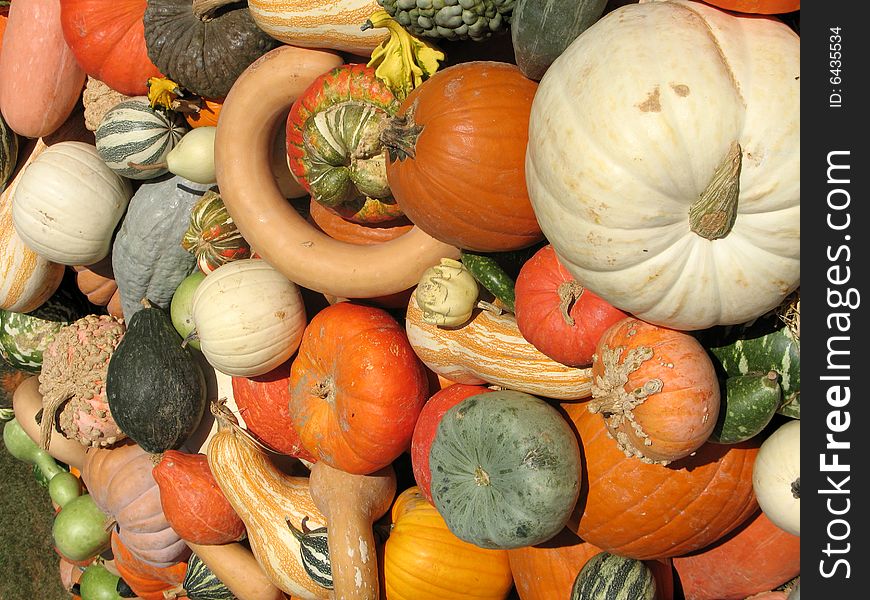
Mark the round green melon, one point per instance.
(505, 470)
(607, 576)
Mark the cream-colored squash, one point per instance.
(248, 317)
(68, 203)
(776, 477)
(664, 162)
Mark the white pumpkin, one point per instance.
(248, 317)
(663, 162)
(68, 203)
(776, 477)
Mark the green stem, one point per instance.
(713, 214)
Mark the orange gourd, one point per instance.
(424, 560)
(356, 388)
(339, 228)
(207, 115)
(760, 7)
(547, 571)
(146, 580)
(456, 162)
(644, 511)
(656, 388)
(756, 557)
(97, 282)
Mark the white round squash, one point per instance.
(663, 162)
(776, 477)
(248, 317)
(68, 203)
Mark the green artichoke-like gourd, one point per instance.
(452, 19)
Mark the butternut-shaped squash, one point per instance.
(266, 500)
(490, 349)
(40, 80)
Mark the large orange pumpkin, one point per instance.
(424, 560)
(644, 510)
(756, 557)
(657, 389)
(547, 571)
(456, 162)
(108, 41)
(356, 388)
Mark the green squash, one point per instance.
(204, 54)
(607, 576)
(201, 584)
(505, 470)
(154, 385)
(748, 405)
(542, 29)
(451, 19)
(8, 153)
(147, 258)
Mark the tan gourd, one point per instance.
(237, 568)
(351, 504)
(265, 499)
(490, 349)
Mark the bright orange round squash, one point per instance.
(208, 113)
(656, 388)
(424, 560)
(760, 7)
(641, 510)
(756, 557)
(356, 388)
(456, 157)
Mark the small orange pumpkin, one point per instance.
(424, 560)
(657, 389)
(207, 115)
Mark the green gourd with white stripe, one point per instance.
(132, 132)
(314, 549)
(607, 576)
(201, 584)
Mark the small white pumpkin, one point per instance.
(776, 477)
(663, 162)
(68, 203)
(447, 294)
(248, 317)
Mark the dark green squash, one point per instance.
(202, 47)
(488, 273)
(201, 584)
(748, 405)
(154, 385)
(505, 470)
(607, 576)
(542, 29)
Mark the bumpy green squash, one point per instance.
(505, 470)
(542, 29)
(154, 385)
(147, 258)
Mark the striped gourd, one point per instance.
(27, 279)
(314, 549)
(490, 349)
(8, 152)
(319, 23)
(265, 499)
(212, 235)
(201, 584)
(611, 577)
(133, 132)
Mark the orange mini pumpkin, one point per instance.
(656, 388)
(208, 113)
(456, 157)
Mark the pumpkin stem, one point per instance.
(399, 137)
(48, 414)
(174, 593)
(190, 337)
(204, 9)
(713, 214)
(489, 306)
(481, 477)
(325, 390)
(569, 292)
(141, 167)
(796, 488)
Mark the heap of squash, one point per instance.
(345, 299)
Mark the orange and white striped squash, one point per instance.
(27, 279)
(489, 349)
(266, 499)
(333, 24)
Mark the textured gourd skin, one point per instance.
(155, 387)
(505, 470)
(608, 576)
(205, 57)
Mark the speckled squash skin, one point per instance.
(505, 470)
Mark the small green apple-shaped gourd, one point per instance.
(181, 307)
(98, 583)
(79, 530)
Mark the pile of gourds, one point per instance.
(363, 299)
